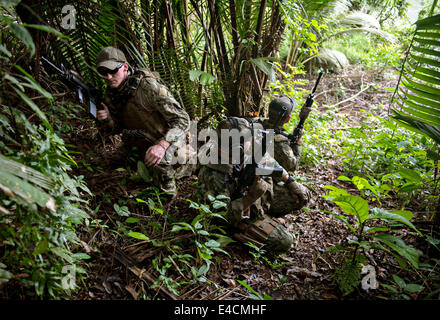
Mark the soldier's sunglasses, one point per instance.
(103, 71)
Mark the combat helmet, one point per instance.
(280, 109)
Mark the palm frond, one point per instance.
(332, 58)
(378, 32)
(418, 96)
(360, 19)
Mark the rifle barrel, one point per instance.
(317, 82)
(42, 58)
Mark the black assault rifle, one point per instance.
(244, 174)
(304, 113)
(85, 93)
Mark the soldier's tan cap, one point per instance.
(109, 58)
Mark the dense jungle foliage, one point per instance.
(76, 212)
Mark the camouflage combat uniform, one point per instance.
(259, 225)
(145, 111)
(288, 157)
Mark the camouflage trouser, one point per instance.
(163, 175)
(164, 178)
(259, 227)
(284, 202)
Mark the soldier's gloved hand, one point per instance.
(257, 189)
(155, 153)
(299, 192)
(103, 114)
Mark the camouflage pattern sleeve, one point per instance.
(175, 116)
(285, 155)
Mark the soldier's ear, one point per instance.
(125, 66)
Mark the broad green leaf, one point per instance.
(178, 228)
(205, 78)
(47, 29)
(81, 256)
(132, 220)
(409, 187)
(335, 192)
(353, 205)
(25, 172)
(198, 225)
(5, 50)
(14, 81)
(193, 204)
(212, 243)
(121, 211)
(397, 215)
(218, 204)
(185, 226)
(264, 66)
(400, 282)
(250, 289)
(362, 183)
(398, 245)
(410, 175)
(13, 185)
(138, 235)
(428, 23)
(5, 275)
(219, 215)
(143, 172)
(414, 288)
(223, 240)
(63, 253)
(403, 213)
(375, 229)
(23, 34)
(41, 246)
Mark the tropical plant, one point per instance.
(204, 231)
(40, 203)
(417, 94)
(368, 237)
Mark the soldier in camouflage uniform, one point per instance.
(140, 106)
(253, 216)
(285, 153)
